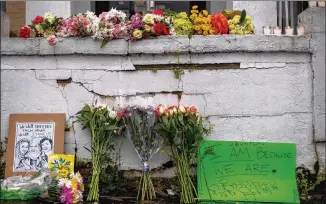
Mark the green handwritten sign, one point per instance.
(247, 171)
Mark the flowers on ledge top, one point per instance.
(114, 24)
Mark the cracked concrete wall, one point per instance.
(268, 98)
(314, 20)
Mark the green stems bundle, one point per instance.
(182, 131)
(140, 129)
(103, 123)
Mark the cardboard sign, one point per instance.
(247, 171)
(32, 138)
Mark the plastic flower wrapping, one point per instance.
(72, 188)
(27, 187)
(140, 129)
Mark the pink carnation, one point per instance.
(52, 40)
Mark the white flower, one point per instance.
(64, 182)
(77, 176)
(157, 17)
(115, 13)
(100, 105)
(182, 109)
(148, 18)
(48, 16)
(39, 28)
(112, 114)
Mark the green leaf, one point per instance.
(104, 42)
(243, 17)
(177, 140)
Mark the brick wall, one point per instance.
(16, 10)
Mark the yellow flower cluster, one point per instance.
(236, 27)
(201, 22)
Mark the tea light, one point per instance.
(267, 30)
(277, 30)
(289, 30)
(300, 29)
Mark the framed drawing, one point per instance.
(31, 138)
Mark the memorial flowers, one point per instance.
(241, 24)
(182, 24)
(140, 129)
(201, 22)
(42, 26)
(219, 23)
(72, 188)
(109, 25)
(103, 123)
(182, 130)
(25, 32)
(78, 25)
(115, 24)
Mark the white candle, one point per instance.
(289, 30)
(300, 29)
(267, 30)
(277, 30)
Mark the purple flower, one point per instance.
(67, 195)
(136, 21)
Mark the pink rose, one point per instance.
(52, 40)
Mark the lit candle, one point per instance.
(277, 30)
(289, 30)
(267, 30)
(300, 29)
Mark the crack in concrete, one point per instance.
(255, 115)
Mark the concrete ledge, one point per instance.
(160, 45)
(249, 43)
(170, 44)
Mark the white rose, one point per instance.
(148, 18)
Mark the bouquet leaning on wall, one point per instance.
(103, 123)
(182, 130)
(140, 129)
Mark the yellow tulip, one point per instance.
(201, 15)
(205, 33)
(199, 32)
(211, 32)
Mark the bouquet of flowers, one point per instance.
(201, 21)
(103, 123)
(78, 25)
(152, 24)
(241, 24)
(182, 24)
(140, 129)
(42, 26)
(110, 25)
(182, 130)
(72, 188)
(220, 23)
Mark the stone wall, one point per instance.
(256, 88)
